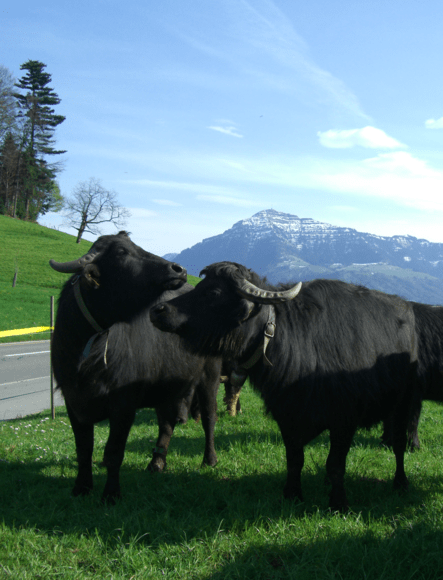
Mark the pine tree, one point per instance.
(39, 122)
(36, 104)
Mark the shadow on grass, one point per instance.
(405, 554)
(166, 507)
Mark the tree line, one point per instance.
(28, 185)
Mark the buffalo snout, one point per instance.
(174, 276)
(160, 316)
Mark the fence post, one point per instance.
(50, 357)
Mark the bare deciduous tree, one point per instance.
(91, 205)
(7, 102)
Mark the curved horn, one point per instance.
(255, 294)
(75, 265)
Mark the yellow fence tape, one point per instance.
(19, 331)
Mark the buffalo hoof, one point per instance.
(110, 498)
(210, 461)
(157, 465)
(339, 508)
(291, 493)
(413, 446)
(338, 502)
(401, 483)
(81, 489)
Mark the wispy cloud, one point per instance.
(227, 130)
(226, 200)
(397, 176)
(369, 137)
(258, 38)
(139, 213)
(401, 163)
(268, 30)
(434, 123)
(168, 202)
(345, 208)
(180, 186)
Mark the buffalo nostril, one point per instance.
(177, 268)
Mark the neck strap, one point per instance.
(240, 374)
(84, 309)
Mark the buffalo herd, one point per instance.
(323, 355)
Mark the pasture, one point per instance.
(220, 523)
(200, 523)
(26, 249)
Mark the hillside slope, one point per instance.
(28, 247)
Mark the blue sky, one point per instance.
(201, 113)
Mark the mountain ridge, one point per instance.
(284, 247)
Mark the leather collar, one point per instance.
(95, 325)
(84, 309)
(240, 374)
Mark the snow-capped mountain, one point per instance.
(284, 247)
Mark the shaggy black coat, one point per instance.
(429, 326)
(429, 329)
(343, 357)
(132, 364)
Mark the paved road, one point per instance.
(25, 379)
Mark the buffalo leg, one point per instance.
(120, 423)
(208, 405)
(183, 406)
(295, 459)
(167, 418)
(336, 466)
(399, 439)
(232, 398)
(414, 417)
(413, 440)
(84, 443)
(195, 409)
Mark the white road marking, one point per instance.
(26, 353)
(24, 381)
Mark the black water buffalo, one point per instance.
(109, 360)
(338, 357)
(429, 329)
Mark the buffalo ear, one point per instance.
(91, 275)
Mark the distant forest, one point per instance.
(28, 156)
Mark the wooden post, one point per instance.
(50, 356)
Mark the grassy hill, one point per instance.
(29, 247)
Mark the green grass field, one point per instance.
(216, 523)
(29, 247)
(229, 522)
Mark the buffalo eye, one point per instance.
(213, 293)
